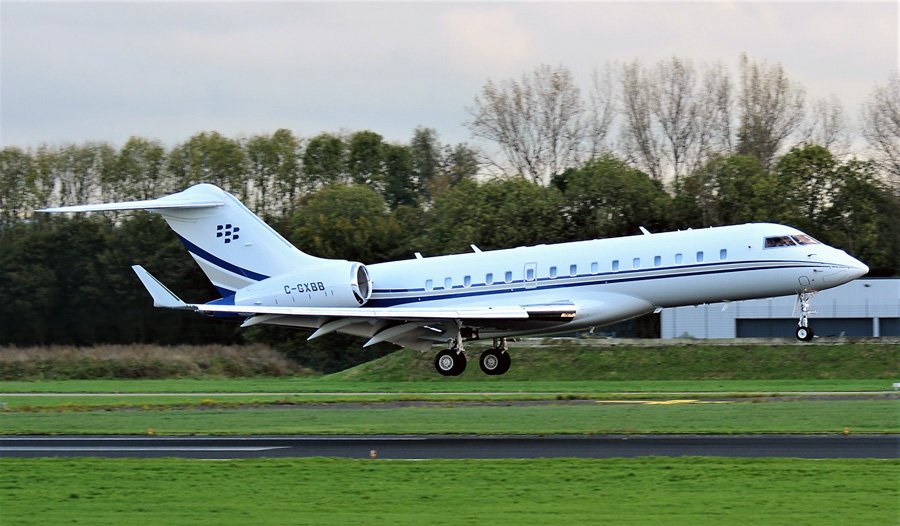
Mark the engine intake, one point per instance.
(333, 284)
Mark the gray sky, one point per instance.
(77, 71)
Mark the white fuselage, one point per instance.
(660, 270)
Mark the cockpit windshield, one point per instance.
(780, 241)
(789, 241)
(803, 239)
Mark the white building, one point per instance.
(864, 307)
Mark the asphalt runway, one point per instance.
(455, 447)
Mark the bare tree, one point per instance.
(772, 109)
(537, 121)
(640, 137)
(602, 104)
(827, 125)
(881, 126)
(675, 116)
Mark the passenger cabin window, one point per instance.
(636, 263)
(657, 261)
(723, 254)
(448, 283)
(573, 270)
(467, 281)
(615, 265)
(552, 272)
(700, 257)
(678, 259)
(508, 276)
(429, 284)
(780, 241)
(595, 267)
(529, 274)
(489, 278)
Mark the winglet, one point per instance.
(162, 297)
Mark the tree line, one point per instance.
(354, 195)
(671, 117)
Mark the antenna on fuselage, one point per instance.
(644, 230)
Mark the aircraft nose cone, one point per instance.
(859, 269)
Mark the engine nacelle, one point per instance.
(332, 284)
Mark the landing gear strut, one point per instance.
(496, 361)
(804, 331)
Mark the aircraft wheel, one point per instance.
(450, 362)
(804, 334)
(490, 361)
(494, 362)
(505, 362)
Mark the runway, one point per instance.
(455, 447)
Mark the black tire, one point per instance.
(450, 362)
(804, 334)
(505, 362)
(491, 362)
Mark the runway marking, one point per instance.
(662, 402)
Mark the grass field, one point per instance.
(646, 491)
(817, 416)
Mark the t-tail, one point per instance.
(233, 247)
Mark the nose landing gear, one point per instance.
(804, 332)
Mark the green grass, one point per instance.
(442, 385)
(819, 416)
(567, 359)
(646, 491)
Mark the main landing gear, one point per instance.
(495, 361)
(452, 361)
(804, 332)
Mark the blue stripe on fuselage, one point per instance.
(219, 262)
(599, 279)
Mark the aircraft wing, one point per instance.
(409, 327)
(417, 328)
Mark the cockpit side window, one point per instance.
(803, 239)
(780, 241)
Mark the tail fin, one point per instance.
(233, 246)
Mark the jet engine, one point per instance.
(331, 284)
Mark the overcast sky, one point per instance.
(77, 71)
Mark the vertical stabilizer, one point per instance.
(233, 246)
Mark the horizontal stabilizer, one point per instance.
(176, 201)
(162, 296)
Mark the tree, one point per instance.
(401, 185)
(347, 222)
(881, 126)
(725, 191)
(141, 165)
(499, 213)
(827, 125)
(607, 198)
(15, 170)
(426, 154)
(324, 161)
(771, 109)
(536, 121)
(675, 115)
(365, 158)
(208, 157)
(274, 172)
